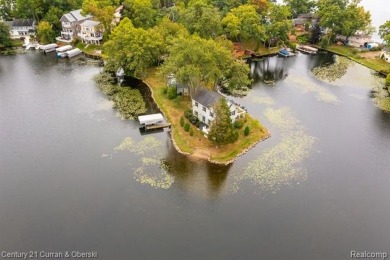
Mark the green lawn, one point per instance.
(376, 64)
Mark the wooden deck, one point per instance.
(156, 126)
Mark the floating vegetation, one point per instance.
(154, 170)
(384, 104)
(331, 72)
(105, 105)
(307, 86)
(279, 165)
(263, 100)
(129, 102)
(282, 118)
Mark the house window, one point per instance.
(204, 109)
(211, 114)
(209, 122)
(196, 104)
(203, 119)
(233, 113)
(196, 113)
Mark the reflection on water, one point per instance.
(268, 70)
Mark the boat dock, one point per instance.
(153, 122)
(286, 53)
(307, 49)
(48, 47)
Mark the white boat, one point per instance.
(72, 53)
(64, 48)
(307, 49)
(48, 47)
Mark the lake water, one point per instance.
(74, 176)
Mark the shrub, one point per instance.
(238, 123)
(172, 93)
(191, 132)
(188, 113)
(165, 90)
(246, 131)
(187, 127)
(181, 121)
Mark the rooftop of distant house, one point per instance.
(75, 16)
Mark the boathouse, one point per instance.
(153, 121)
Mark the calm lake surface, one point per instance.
(74, 176)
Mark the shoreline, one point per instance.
(196, 154)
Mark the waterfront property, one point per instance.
(357, 40)
(153, 121)
(70, 23)
(307, 49)
(203, 102)
(90, 32)
(22, 28)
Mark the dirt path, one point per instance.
(370, 54)
(201, 153)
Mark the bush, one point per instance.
(165, 90)
(188, 114)
(181, 121)
(187, 127)
(246, 131)
(191, 132)
(172, 92)
(238, 123)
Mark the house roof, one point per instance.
(74, 16)
(206, 97)
(180, 85)
(298, 22)
(22, 22)
(90, 23)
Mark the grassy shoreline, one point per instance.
(377, 64)
(197, 145)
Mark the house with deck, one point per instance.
(90, 32)
(21, 28)
(203, 102)
(357, 40)
(71, 25)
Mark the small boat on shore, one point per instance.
(307, 49)
(286, 53)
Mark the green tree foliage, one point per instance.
(182, 121)
(300, 6)
(53, 16)
(45, 33)
(201, 18)
(6, 9)
(29, 9)
(344, 17)
(187, 127)
(236, 78)
(388, 80)
(196, 61)
(249, 23)
(221, 129)
(384, 32)
(133, 49)
(141, 13)
(103, 11)
(279, 23)
(260, 5)
(5, 40)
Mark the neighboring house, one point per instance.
(385, 54)
(22, 28)
(71, 25)
(203, 102)
(309, 18)
(357, 40)
(90, 32)
(299, 25)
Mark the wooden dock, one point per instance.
(157, 126)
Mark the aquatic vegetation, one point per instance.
(279, 165)
(129, 102)
(307, 86)
(282, 118)
(154, 170)
(334, 71)
(263, 100)
(105, 105)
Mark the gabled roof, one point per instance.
(22, 22)
(206, 97)
(298, 21)
(90, 23)
(74, 16)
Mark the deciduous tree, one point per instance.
(384, 32)
(45, 32)
(140, 12)
(5, 39)
(300, 6)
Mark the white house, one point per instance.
(70, 23)
(22, 28)
(357, 40)
(203, 102)
(90, 32)
(385, 54)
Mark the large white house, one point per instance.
(22, 28)
(71, 25)
(90, 32)
(203, 102)
(385, 54)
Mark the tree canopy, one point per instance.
(5, 39)
(45, 32)
(221, 128)
(384, 32)
(300, 6)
